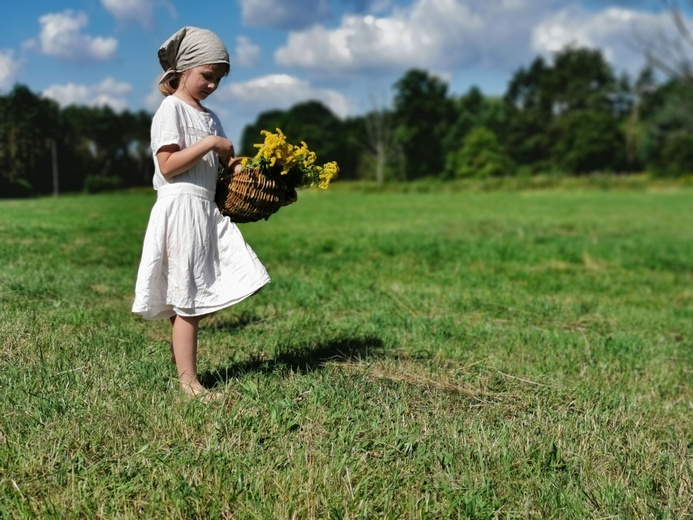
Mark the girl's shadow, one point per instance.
(298, 360)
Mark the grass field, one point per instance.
(509, 354)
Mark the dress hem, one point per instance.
(162, 312)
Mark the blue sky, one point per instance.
(346, 53)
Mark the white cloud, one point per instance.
(246, 54)
(109, 92)
(141, 11)
(614, 31)
(283, 14)
(431, 34)
(61, 37)
(447, 36)
(279, 91)
(299, 14)
(9, 67)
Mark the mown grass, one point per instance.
(504, 354)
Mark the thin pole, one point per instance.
(54, 155)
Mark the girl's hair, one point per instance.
(169, 87)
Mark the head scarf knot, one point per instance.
(190, 47)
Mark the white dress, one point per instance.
(194, 260)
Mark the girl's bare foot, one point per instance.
(195, 389)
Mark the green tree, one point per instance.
(472, 110)
(538, 98)
(88, 141)
(322, 130)
(528, 106)
(581, 79)
(633, 125)
(28, 126)
(109, 149)
(137, 163)
(588, 141)
(481, 155)
(314, 123)
(378, 130)
(422, 114)
(668, 116)
(677, 156)
(269, 120)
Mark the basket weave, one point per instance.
(250, 194)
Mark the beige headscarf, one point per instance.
(190, 47)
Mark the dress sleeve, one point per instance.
(167, 127)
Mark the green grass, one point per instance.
(503, 354)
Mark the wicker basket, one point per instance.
(250, 194)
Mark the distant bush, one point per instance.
(99, 183)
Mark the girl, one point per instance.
(194, 260)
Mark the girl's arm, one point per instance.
(174, 161)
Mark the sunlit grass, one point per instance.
(476, 354)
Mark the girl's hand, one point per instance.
(291, 197)
(174, 161)
(223, 147)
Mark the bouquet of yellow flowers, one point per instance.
(297, 163)
(250, 189)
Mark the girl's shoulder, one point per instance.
(173, 104)
(169, 103)
(171, 108)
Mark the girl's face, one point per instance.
(200, 82)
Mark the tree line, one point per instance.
(572, 114)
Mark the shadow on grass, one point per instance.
(298, 360)
(233, 323)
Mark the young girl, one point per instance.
(194, 260)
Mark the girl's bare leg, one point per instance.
(184, 352)
(173, 356)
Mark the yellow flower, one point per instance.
(328, 172)
(298, 162)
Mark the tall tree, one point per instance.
(540, 97)
(471, 110)
(669, 133)
(313, 123)
(28, 123)
(668, 118)
(588, 141)
(580, 79)
(269, 120)
(669, 48)
(423, 113)
(88, 141)
(528, 105)
(110, 148)
(481, 156)
(379, 128)
(639, 94)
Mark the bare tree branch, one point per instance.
(675, 11)
(669, 51)
(379, 127)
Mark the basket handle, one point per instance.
(233, 162)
